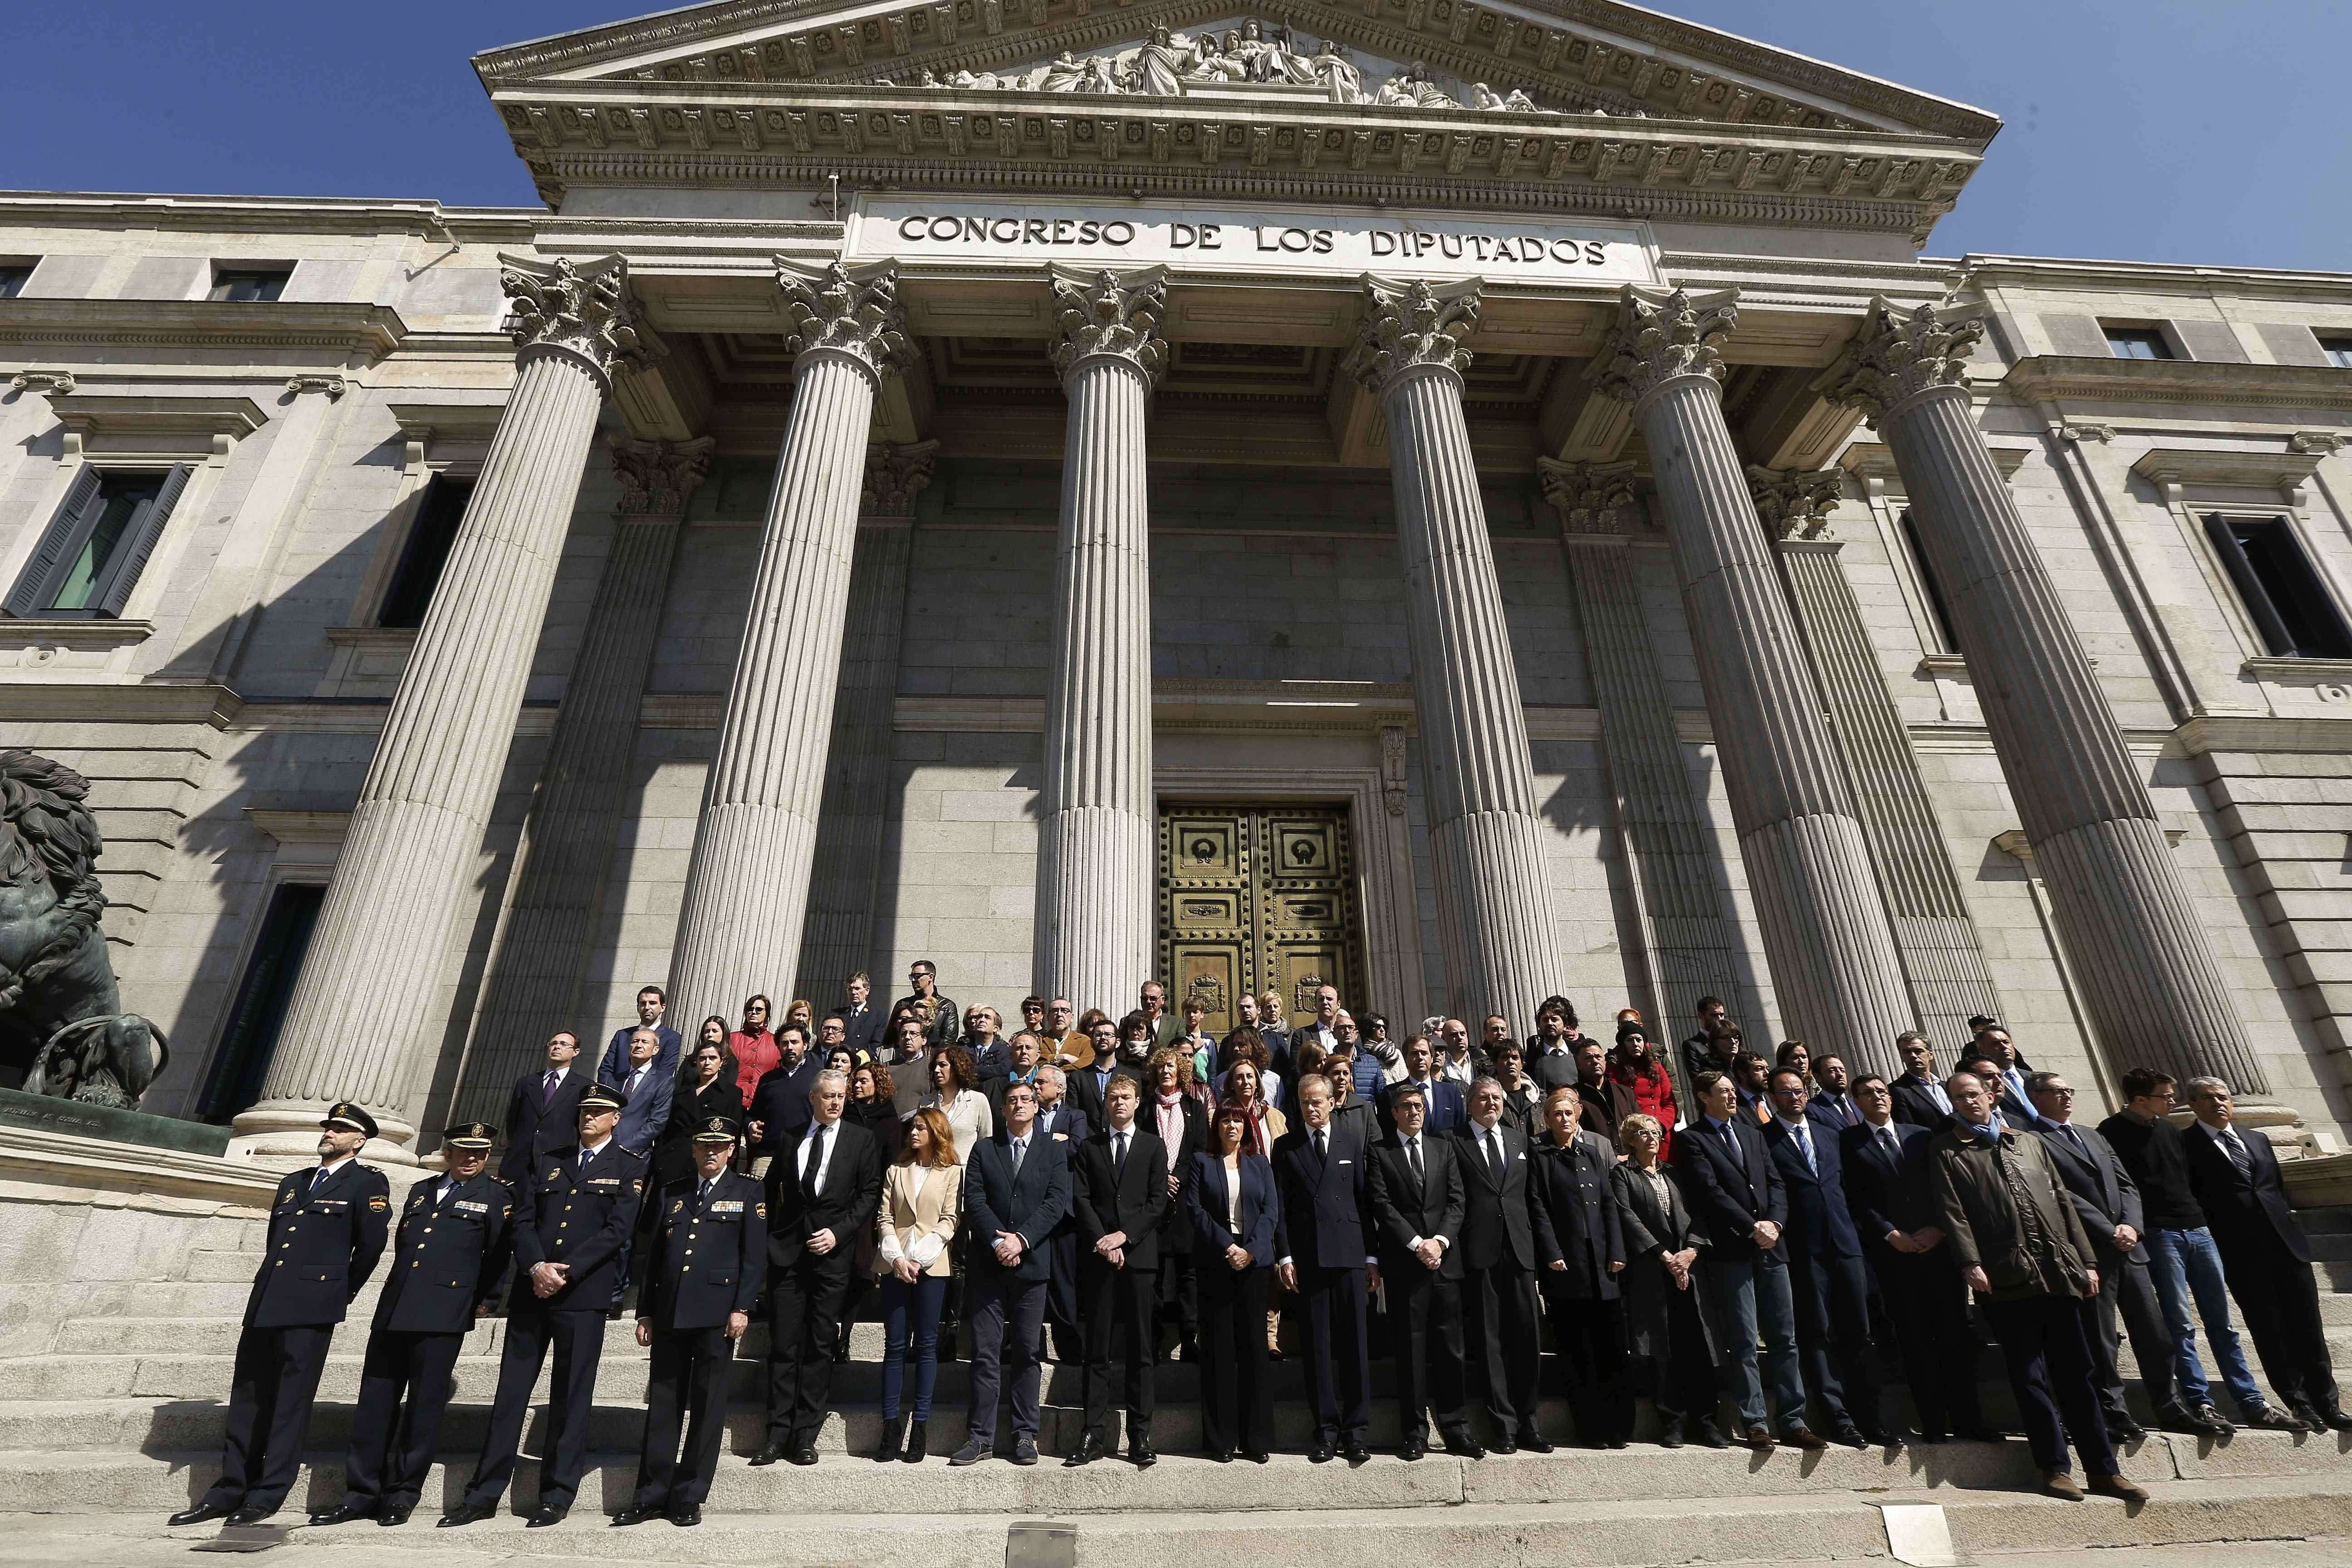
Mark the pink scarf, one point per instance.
(1171, 1123)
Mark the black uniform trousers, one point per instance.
(686, 1387)
(1339, 1360)
(1499, 1311)
(2126, 1292)
(2046, 1339)
(578, 1340)
(2279, 1300)
(392, 1436)
(1425, 1337)
(1929, 1307)
(1115, 1301)
(805, 1304)
(1832, 1300)
(269, 1394)
(1590, 1334)
(1237, 1395)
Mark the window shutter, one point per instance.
(30, 596)
(2277, 641)
(139, 541)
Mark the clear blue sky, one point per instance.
(2183, 131)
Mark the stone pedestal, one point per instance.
(1834, 965)
(1486, 840)
(747, 887)
(366, 1020)
(2149, 979)
(1096, 912)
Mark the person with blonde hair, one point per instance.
(915, 1231)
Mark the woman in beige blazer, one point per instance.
(915, 1228)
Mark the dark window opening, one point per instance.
(2136, 343)
(14, 276)
(2337, 350)
(91, 554)
(438, 513)
(249, 285)
(1928, 584)
(262, 997)
(2290, 605)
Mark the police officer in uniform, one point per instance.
(327, 1227)
(571, 1228)
(695, 1289)
(447, 1263)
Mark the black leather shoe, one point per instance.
(1413, 1448)
(203, 1513)
(342, 1513)
(1222, 1457)
(1140, 1454)
(1257, 1455)
(1849, 1434)
(1670, 1432)
(1535, 1442)
(2126, 1432)
(1322, 1453)
(2333, 1416)
(1089, 1451)
(251, 1514)
(1358, 1456)
(629, 1516)
(1710, 1435)
(473, 1510)
(687, 1518)
(547, 1518)
(1462, 1446)
(768, 1453)
(1503, 1446)
(803, 1455)
(395, 1514)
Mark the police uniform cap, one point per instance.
(471, 1136)
(343, 1113)
(716, 1130)
(603, 1097)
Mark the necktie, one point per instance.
(1322, 1150)
(1894, 1144)
(816, 1161)
(1943, 1100)
(448, 1185)
(1494, 1155)
(547, 1095)
(2075, 1139)
(2237, 1150)
(702, 1197)
(318, 1176)
(1805, 1147)
(1020, 1153)
(1118, 1156)
(1412, 1158)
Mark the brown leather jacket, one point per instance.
(2007, 1213)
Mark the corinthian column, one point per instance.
(1494, 907)
(566, 855)
(367, 1018)
(2129, 929)
(1095, 908)
(747, 887)
(1835, 970)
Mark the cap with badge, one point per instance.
(471, 1136)
(716, 1130)
(345, 1114)
(603, 1097)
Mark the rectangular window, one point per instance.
(14, 276)
(2136, 343)
(249, 285)
(1927, 585)
(2339, 352)
(262, 995)
(439, 512)
(2289, 604)
(90, 557)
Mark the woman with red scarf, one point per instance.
(1632, 1064)
(754, 1045)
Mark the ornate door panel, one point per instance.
(1257, 899)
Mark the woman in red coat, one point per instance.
(754, 1045)
(1632, 1064)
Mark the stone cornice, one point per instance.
(2101, 380)
(2145, 277)
(344, 330)
(266, 214)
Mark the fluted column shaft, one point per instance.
(2134, 938)
(367, 1016)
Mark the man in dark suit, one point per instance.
(2266, 1258)
(574, 1220)
(544, 1111)
(1323, 1251)
(1016, 1193)
(1498, 1269)
(862, 1018)
(1736, 1197)
(1830, 1099)
(645, 1089)
(947, 1018)
(1901, 1224)
(1826, 1281)
(446, 1264)
(1580, 1250)
(652, 1003)
(2108, 1201)
(1443, 1109)
(1119, 1188)
(1919, 1097)
(1064, 1124)
(823, 1190)
(781, 1101)
(1088, 1084)
(327, 1226)
(693, 1314)
(1602, 1102)
(1417, 1204)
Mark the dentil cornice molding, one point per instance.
(659, 477)
(1413, 326)
(1108, 313)
(852, 312)
(1899, 354)
(1592, 499)
(580, 308)
(1793, 504)
(1658, 336)
(896, 473)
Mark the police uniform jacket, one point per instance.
(709, 1253)
(448, 1256)
(323, 1244)
(581, 1215)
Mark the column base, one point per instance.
(287, 1136)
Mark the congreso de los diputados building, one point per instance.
(1458, 501)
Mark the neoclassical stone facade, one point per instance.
(1466, 501)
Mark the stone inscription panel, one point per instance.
(1241, 238)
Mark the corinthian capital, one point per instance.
(851, 313)
(1658, 337)
(1794, 504)
(1107, 312)
(1588, 496)
(657, 477)
(582, 311)
(1900, 353)
(1411, 325)
(895, 475)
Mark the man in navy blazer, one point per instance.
(1323, 1250)
(1736, 1196)
(1920, 1100)
(651, 1001)
(1825, 1271)
(544, 1111)
(1498, 1268)
(1119, 1185)
(1444, 1110)
(646, 1087)
(1016, 1193)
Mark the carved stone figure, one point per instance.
(61, 1017)
(1065, 73)
(1159, 64)
(1331, 68)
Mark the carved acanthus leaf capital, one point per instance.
(585, 310)
(658, 476)
(1590, 497)
(1900, 353)
(1658, 337)
(1108, 313)
(895, 475)
(1408, 326)
(1793, 504)
(852, 311)
(48, 382)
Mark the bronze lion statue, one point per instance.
(61, 1018)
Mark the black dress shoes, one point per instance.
(1462, 1446)
(203, 1513)
(768, 1453)
(1710, 1435)
(473, 1510)
(687, 1518)
(1140, 1454)
(1670, 1432)
(343, 1513)
(395, 1514)
(1322, 1453)
(1089, 1451)
(1222, 1456)
(629, 1516)
(2125, 1431)
(1257, 1455)
(803, 1455)
(1358, 1456)
(547, 1518)
(1504, 1446)
(1413, 1448)
(1849, 1434)
(253, 1513)
(1535, 1442)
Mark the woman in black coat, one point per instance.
(1232, 1212)
(1580, 1256)
(707, 1088)
(1665, 1333)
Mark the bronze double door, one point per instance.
(1257, 899)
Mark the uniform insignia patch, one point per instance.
(675, 1204)
(379, 1204)
(732, 1205)
(473, 1207)
(761, 1210)
(637, 1186)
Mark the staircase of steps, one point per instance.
(118, 1405)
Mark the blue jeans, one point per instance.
(911, 1332)
(2186, 1264)
(1746, 1294)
